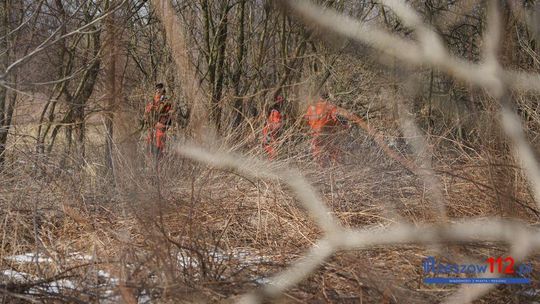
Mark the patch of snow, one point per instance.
(242, 257)
(59, 286)
(52, 287)
(107, 276)
(80, 256)
(262, 281)
(29, 257)
(246, 257)
(184, 260)
(144, 299)
(17, 275)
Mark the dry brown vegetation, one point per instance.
(440, 160)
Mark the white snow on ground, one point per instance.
(186, 261)
(145, 299)
(52, 287)
(63, 285)
(245, 257)
(109, 278)
(58, 286)
(29, 257)
(17, 276)
(262, 281)
(80, 256)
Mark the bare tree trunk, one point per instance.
(85, 90)
(208, 32)
(111, 89)
(7, 99)
(66, 57)
(238, 105)
(4, 29)
(219, 68)
(177, 41)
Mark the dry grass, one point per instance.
(138, 234)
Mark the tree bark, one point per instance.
(238, 104)
(110, 87)
(7, 99)
(219, 68)
(177, 41)
(4, 29)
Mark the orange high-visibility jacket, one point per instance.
(274, 120)
(273, 124)
(153, 105)
(320, 115)
(158, 110)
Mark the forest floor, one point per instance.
(199, 233)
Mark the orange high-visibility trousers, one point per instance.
(269, 142)
(160, 136)
(270, 150)
(270, 133)
(156, 139)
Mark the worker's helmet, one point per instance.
(160, 87)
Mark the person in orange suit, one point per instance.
(324, 120)
(157, 116)
(273, 127)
